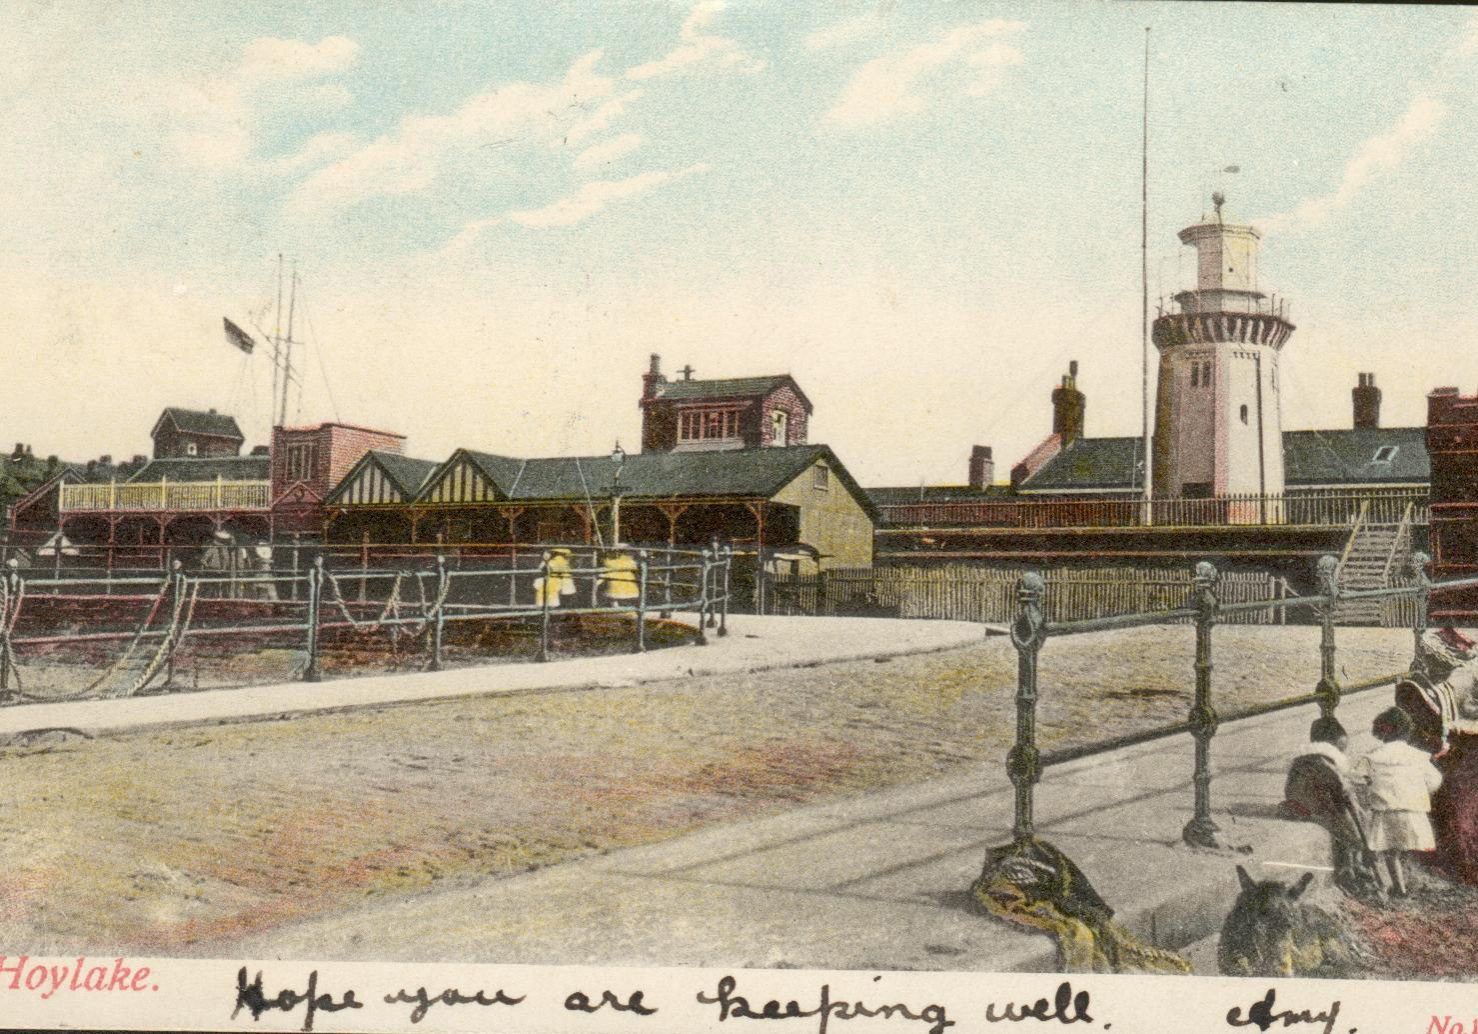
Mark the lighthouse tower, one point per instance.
(1217, 425)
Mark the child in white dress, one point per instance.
(1399, 781)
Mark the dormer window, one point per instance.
(779, 427)
(1385, 454)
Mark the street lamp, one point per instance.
(618, 457)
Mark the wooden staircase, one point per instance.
(1371, 561)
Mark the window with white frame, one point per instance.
(708, 425)
(820, 478)
(302, 457)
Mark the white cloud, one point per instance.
(1469, 43)
(318, 149)
(695, 47)
(1379, 154)
(841, 33)
(409, 159)
(905, 82)
(608, 151)
(596, 195)
(213, 121)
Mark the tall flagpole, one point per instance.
(1144, 282)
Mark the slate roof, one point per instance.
(408, 474)
(730, 387)
(193, 421)
(737, 473)
(206, 468)
(904, 495)
(1348, 457)
(1337, 457)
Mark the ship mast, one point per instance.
(287, 343)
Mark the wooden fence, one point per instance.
(962, 593)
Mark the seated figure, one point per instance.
(1319, 790)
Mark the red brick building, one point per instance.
(688, 415)
(190, 433)
(1452, 444)
(307, 462)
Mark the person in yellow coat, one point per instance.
(560, 582)
(618, 577)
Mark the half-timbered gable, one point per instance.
(469, 478)
(381, 479)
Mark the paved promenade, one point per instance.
(753, 644)
(874, 882)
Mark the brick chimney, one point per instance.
(1068, 404)
(652, 377)
(982, 468)
(1366, 398)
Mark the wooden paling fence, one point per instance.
(962, 593)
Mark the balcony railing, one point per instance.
(167, 496)
(1325, 509)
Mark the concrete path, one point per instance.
(875, 882)
(753, 644)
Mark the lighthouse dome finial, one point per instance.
(1218, 199)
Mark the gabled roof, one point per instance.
(1338, 457)
(407, 473)
(726, 388)
(654, 476)
(192, 421)
(227, 468)
(1105, 464)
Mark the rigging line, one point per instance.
(589, 504)
(322, 370)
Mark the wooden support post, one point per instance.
(641, 602)
(1423, 584)
(544, 607)
(723, 614)
(438, 627)
(315, 598)
(1023, 761)
(1201, 830)
(364, 538)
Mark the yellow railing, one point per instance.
(167, 495)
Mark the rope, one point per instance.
(391, 604)
(123, 658)
(7, 625)
(166, 645)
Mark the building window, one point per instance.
(708, 425)
(779, 427)
(302, 457)
(820, 478)
(191, 449)
(1243, 414)
(1385, 454)
(1195, 375)
(1206, 374)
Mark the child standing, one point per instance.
(1399, 781)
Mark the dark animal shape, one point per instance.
(1031, 883)
(1270, 932)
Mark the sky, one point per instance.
(921, 211)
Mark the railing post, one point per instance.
(1201, 830)
(1423, 592)
(1023, 761)
(708, 587)
(315, 598)
(9, 599)
(438, 626)
(176, 603)
(703, 601)
(1328, 689)
(641, 602)
(821, 607)
(513, 577)
(723, 613)
(544, 607)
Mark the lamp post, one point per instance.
(618, 457)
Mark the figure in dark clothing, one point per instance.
(1319, 789)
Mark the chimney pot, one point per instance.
(1068, 405)
(655, 364)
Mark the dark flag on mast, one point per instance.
(238, 337)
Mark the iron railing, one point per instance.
(419, 600)
(1299, 509)
(1203, 608)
